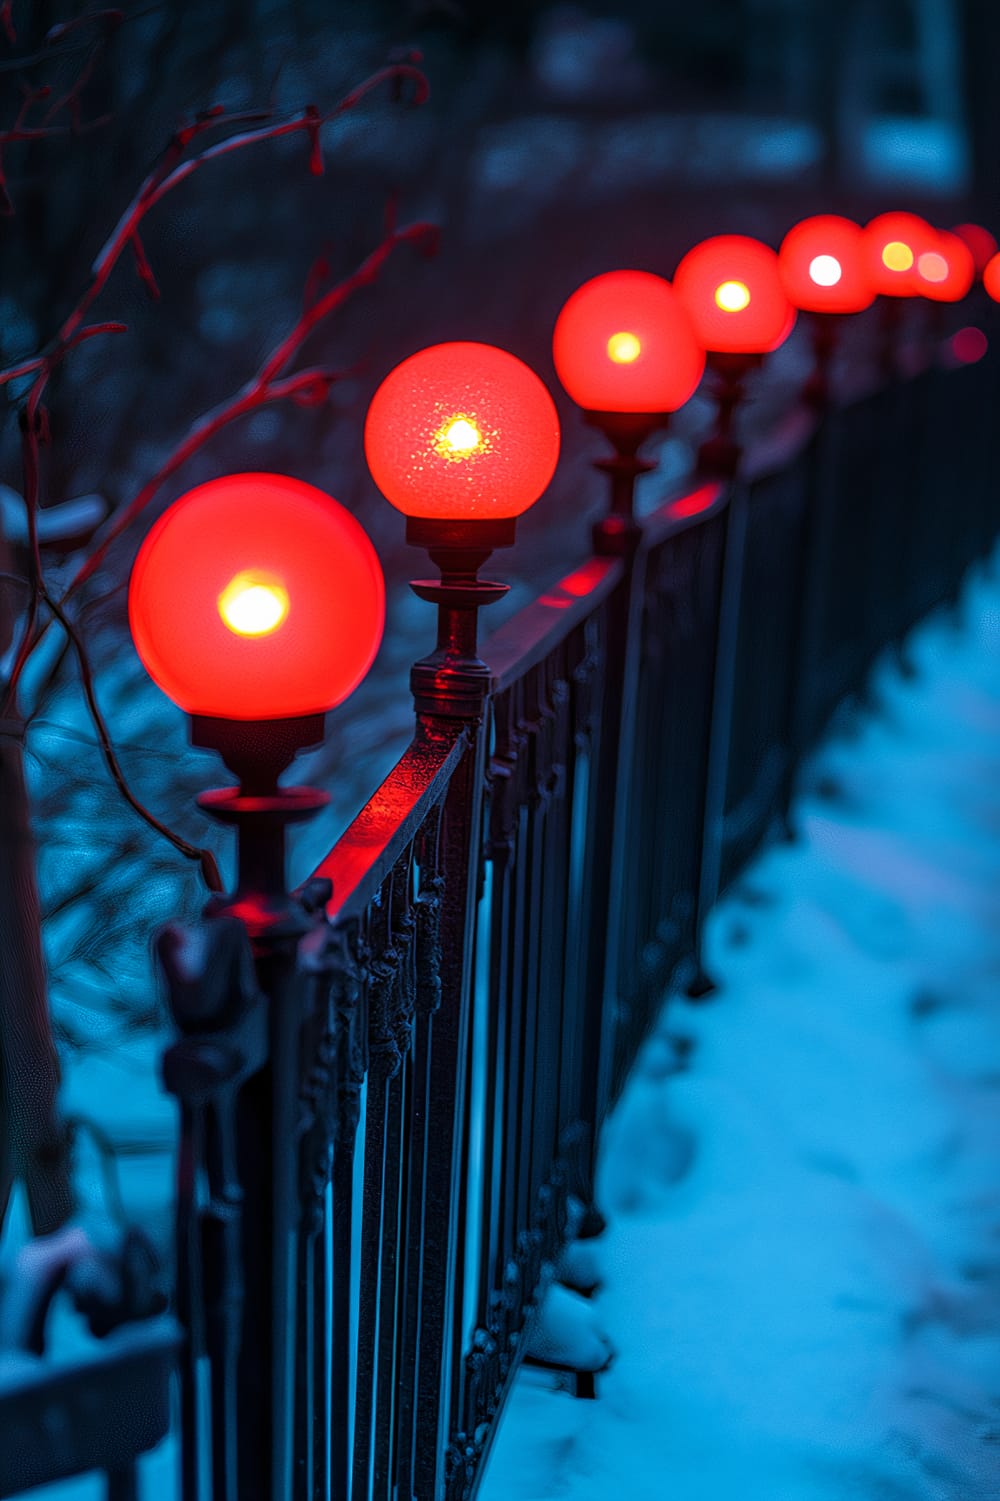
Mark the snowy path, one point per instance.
(802, 1272)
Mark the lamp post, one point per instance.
(945, 274)
(892, 244)
(731, 286)
(462, 438)
(256, 603)
(946, 271)
(821, 260)
(626, 352)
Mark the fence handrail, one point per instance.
(370, 845)
(545, 622)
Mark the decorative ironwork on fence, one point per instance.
(390, 1106)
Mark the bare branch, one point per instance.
(205, 858)
(268, 385)
(41, 361)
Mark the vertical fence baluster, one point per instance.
(351, 1013)
(448, 1048)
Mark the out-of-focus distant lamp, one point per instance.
(732, 288)
(946, 270)
(256, 603)
(462, 438)
(626, 352)
(893, 242)
(991, 278)
(822, 265)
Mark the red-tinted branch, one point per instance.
(144, 269)
(172, 171)
(271, 383)
(20, 131)
(69, 100)
(41, 361)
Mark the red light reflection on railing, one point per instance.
(693, 504)
(585, 580)
(576, 585)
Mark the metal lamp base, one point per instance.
(453, 682)
(258, 751)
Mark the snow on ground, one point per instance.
(802, 1267)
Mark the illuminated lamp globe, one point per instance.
(821, 261)
(946, 271)
(732, 288)
(256, 597)
(892, 244)
(462, 432)
(991, 277)
(623, 342)
(979, 240)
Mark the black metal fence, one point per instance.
(389, 1110)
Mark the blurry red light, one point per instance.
(969, 345)
(979, 240)
(991, 277)
(892, 243)
(624, 343)
(946, 271)
(732, 288)
(462, 431)
(256, 596)
(822, 264)
(697, 501)
(585, 579)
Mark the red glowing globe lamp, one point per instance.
(256, 603)
(625, 350)
(732, 288)
(991, 277)
(892, 244)
(462, 432)
(822, 265)
(946, 270)
(462, 438)
(623, 343)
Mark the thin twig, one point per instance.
(204, 857)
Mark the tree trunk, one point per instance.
(33, 1143)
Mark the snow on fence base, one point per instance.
(388, 1118)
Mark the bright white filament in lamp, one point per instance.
(825, 270)
(732, 296)
(458, 438)
(253, 606)
(623, 348)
